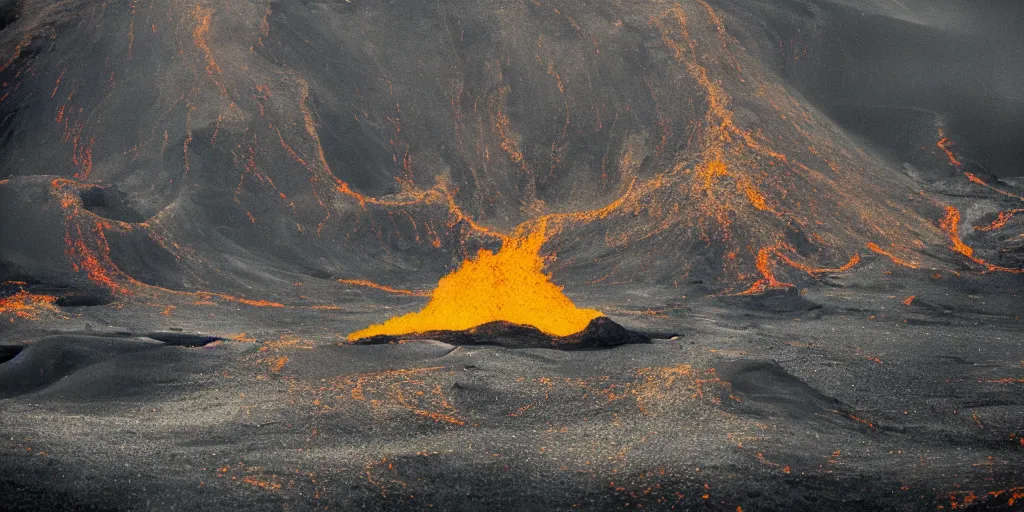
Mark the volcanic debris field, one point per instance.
(520, 254)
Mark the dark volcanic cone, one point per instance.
(602, 332)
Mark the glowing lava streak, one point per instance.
(508, 286)
(944, 144)
(951, 225)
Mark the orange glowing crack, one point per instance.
(962, 499)
(56, 86)
(240, 300)
(264, 26)
(265, 485)
(1000, 221)
(86, 245)
(88, 251)
(278, 364)
(854, 260)
(944, 144)
(951, 225)
(1008, 380)
(556, 220)
(873, 247)
(25, 41)
(460, 216)
(508, 286)
(975, 179)
(769, 281)
(203, 15)
(434, 194)
(131, 29)
(502, 126)
(435, 394)
(370, 284)
(96, 264)
(868, 423)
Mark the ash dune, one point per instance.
(803, 213)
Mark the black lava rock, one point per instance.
(601, 332)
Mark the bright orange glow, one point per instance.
(975, 179)
(508, 286)
(873, 247)
(769, 281)
(27, 305)
(1000, 221)
(951, 225)
(384, 288)
(854, 260)
(944, 144)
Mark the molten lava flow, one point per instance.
(769, 281)
(975, 179)
(944, 143)
(508, 286)
(1001, 220)
(951, 225)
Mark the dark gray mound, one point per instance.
(77, 366)
(51, 360)
(602, 332)
(768, 387)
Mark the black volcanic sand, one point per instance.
(838, 398)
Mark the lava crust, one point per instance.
(601, 332)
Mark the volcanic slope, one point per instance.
(164, 147)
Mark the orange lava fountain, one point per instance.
(509, 286)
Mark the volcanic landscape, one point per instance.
(731, 255)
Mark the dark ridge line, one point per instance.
(174, 339)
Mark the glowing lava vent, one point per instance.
(507, 286)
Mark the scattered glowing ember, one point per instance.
(27, 305)
(873, 247)
(508, 286)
